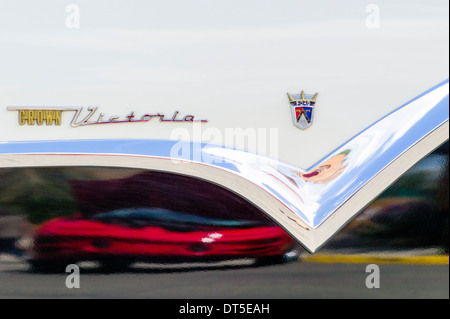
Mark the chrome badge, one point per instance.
(302, 109)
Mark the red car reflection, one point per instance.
(124, 236)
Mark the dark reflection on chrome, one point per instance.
(53, 217)
(413, 213)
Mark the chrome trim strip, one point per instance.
(310, 204)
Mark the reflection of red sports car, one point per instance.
(124, 236)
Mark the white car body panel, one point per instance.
(230, 63)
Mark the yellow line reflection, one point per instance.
(377, 259)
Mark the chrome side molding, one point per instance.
(311, 204)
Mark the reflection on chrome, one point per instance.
(311, 204)
(139, 216)
(413, 213)
(57, 216)
(123, 237)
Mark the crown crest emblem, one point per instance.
(302, 107)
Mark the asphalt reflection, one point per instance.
(291, 280)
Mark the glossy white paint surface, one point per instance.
(230, 62)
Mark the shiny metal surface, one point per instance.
(310, 204)
(404, 231)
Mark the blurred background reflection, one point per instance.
(411, 214)
(57, 216)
